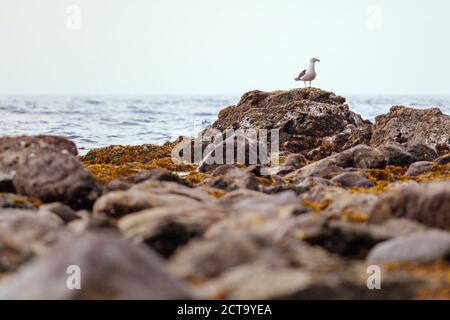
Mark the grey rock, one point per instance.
(422, 247)
(110, 268)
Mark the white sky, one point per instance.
(216, 46)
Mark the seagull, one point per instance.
(309, 74)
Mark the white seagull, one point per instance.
(309, 74)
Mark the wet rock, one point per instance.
(395, 155)
(110, 268)
(420, 167)
(23, 234)
(65, 213)
(422, 247)
(311, 121)
(149, 194)
(443, 160)
(410, 127)
(55, 177)
(353, 180)
(427, 203)
(167, 228)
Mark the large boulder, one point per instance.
(311, 121)
(109, 268)
(409, 126)
(45, 167)
(427, 203)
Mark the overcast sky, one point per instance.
(212, 46)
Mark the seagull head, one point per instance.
(314, 60)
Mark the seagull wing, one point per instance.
(301, 75)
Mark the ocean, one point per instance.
(97, 121)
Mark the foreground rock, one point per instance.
(311, 121)
(151, 194)
(423, 247)
(409, 127)
(24, 234)
(110, 268)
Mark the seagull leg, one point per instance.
(304, 83)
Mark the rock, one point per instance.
(235, 179)
(23, 234)
(261, 281)
(360, 157)
(352, 180)
(409, 126)
(427, 203)
(13, 143)
(311, 121)
(423, 153)
(150, 194)
(45, 167)
(420, 167)
(443, 160)
(159, 174)
(395, 155)
(167, 228)
(422, 247)
(353, 240)
(65, 213)
(110, 268)
(14, 201)
(56, 177)
(293, 162)
(244, 148)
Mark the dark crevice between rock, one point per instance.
(170, 237)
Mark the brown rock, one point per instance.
(311, 121)
(443, 160)
(427, 203)
(353, 180)
(396, 155)
(56, 177)
(411, 127)
(45, 167)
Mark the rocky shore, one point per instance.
(346, 195)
